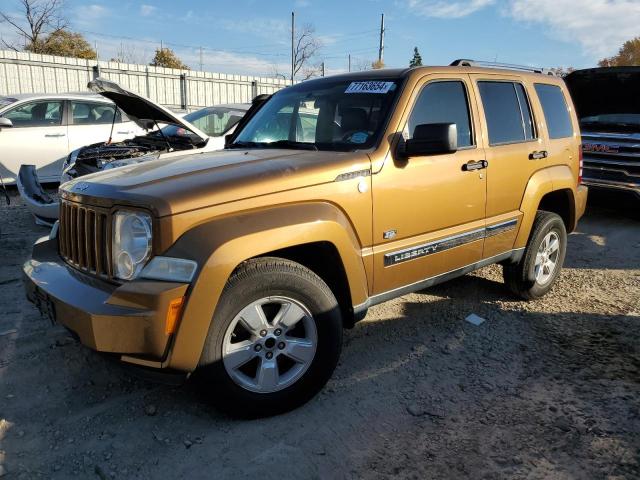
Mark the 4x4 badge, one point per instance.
(81, 187)
(389, 234)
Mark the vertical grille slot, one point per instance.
(80, 232)
(84, 238)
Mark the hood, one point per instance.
(184, 183)
(141, 110)
(598, 91)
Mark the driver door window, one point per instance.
(36, 114)
(443, 102)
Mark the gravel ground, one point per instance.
(547, 389)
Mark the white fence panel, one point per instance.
(181, 89)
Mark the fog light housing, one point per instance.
(170, 269)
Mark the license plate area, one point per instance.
(44, 304)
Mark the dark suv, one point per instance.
(607, 101)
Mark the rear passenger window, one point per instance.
(555, 110)
(86, 113)
(443, 102)
(507, 111)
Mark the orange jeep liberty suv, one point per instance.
(242, 267)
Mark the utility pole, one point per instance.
(200, 58)
(381, 50)
(349, 62)
(323, 68)
(293, 34)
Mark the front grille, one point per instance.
(85, 238)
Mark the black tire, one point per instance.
(520, 277)
(252, 281)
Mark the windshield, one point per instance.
(340, 115)
(214, 121)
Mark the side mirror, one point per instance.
(431, 139)
(5, 123)
(228, 138)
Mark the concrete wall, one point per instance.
(178, 89)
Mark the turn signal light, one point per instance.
(581, 165)
(173, 315)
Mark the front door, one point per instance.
(38, 137)
(429, 210)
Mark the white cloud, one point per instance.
(146, 10)
(88, 16)
(263, 27)
(600, 27)
(446, 9)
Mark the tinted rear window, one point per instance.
(555, 110)
(502, 108)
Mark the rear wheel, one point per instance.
(274, 341)
(543, 258)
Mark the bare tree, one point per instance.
(128, 53)
(39, 18)
(305, 49)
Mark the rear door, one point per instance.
(429, 210)
(90, 122)
(38, 137)
(514, 152)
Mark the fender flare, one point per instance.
(547, 180)
(222, 244)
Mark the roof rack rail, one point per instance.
(463, 62)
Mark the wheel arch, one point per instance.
(306, 233)
(551, 189)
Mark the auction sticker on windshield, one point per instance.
(369, 87)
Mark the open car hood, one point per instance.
(142, 111)
(609, 90)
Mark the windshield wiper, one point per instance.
(243, 145)
(276, 144)
(291, 144)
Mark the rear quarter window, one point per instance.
(556, 112)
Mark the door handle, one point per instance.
(539, 155)
(123, 133)
(54, 135)
(471, 166)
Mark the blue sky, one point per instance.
(252, 36)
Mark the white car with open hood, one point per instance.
(197, 132)
(41, 129)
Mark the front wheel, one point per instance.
(543, 258)
(274, 340)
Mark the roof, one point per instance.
(395, 73)
(70, 96)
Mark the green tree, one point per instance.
(416, 61)
(165, 57)
(628, 55)
(65, 44)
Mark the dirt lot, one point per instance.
(548, 389)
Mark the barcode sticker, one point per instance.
(369, 87)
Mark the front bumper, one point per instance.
(126, 319)
(44, 208)
(630, 187)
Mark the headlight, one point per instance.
(170, 269)
(70, 161)
(131, 243)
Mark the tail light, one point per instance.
(580, 165)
